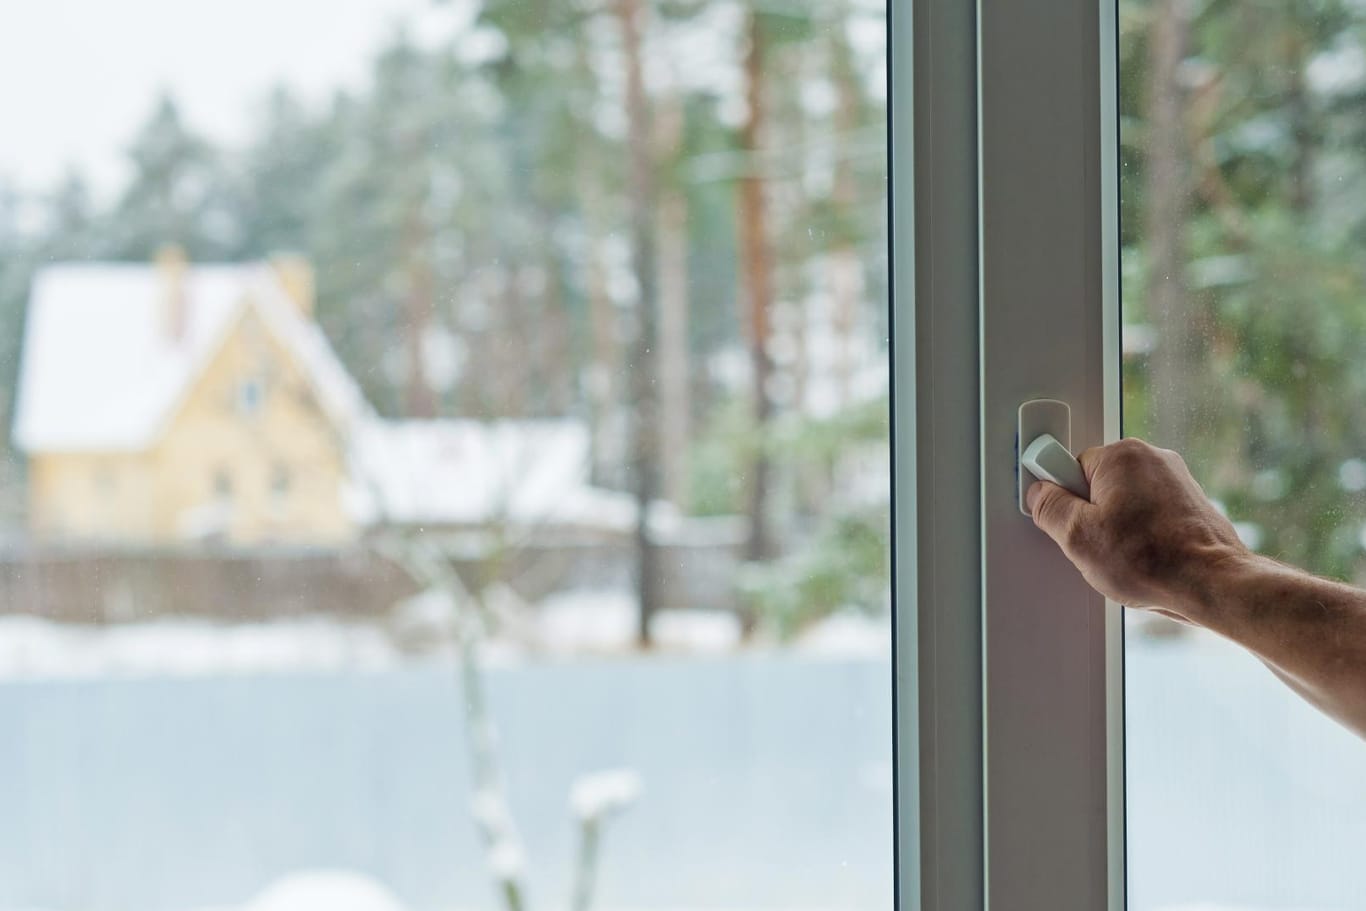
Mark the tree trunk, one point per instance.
(603, 369)
(675, 400)
(644, 372)
(418, 397)
(604, 355)
(1174, 374)
(757, 271)
(507, 394)
(845, 268)
(1301, 124)
(554, 375)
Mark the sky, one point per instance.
(77, 77)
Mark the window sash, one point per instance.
(1009, 668)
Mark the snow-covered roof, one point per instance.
(469, 473)
(100, 370)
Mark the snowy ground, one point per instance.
(1237, 791)
(330, 890)
(323, 890)
(569, 624)
(1201, 677)
(31, 648)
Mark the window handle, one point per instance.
(1043, 437)
(1049, 460)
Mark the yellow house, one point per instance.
(169, 402)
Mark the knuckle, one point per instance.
(1130, 448)
(1076, 537)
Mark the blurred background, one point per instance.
(445, 455)
(1243, 198)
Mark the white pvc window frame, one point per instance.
(1009, 677)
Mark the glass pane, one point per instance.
(446, 456)
(1243, 180)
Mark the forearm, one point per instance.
(1310, 631)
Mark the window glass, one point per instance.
(1243, 182)
(498, 400)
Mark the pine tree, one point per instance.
(283, 164)
(179, 193)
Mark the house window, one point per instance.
(250, 396)
(222, 484)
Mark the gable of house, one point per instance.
(105, 364)
(227, 418)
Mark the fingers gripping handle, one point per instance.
(1040, 422)
(1048, 460)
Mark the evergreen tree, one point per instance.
(1253, 282)
(282, 167)
(179, 193)
(15, 269)
(397, 220)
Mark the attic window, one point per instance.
(250, 394)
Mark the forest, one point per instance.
(666, 219)
(1243, 175)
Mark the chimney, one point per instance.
(172, 266)
(295, 275)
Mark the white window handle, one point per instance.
(1043, 439)
(1048, 460)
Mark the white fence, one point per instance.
(767, 783)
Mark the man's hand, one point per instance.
(1149, 537)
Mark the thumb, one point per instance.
(1055, 508)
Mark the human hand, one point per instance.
(1149, 537)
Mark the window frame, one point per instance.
(1009, 668)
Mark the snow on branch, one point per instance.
(602, 794)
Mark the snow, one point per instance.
(506, 860)
(329, 890)
(601, 794)
(505, 857)
(847, 635)
(600, 621)
(32, 648)
(323, 890)
(469, 472)
(100, 371)
(588, 621)
(1201, 906)
(709, 631)
(489, 809)
(420, 629)
(1337, 70)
